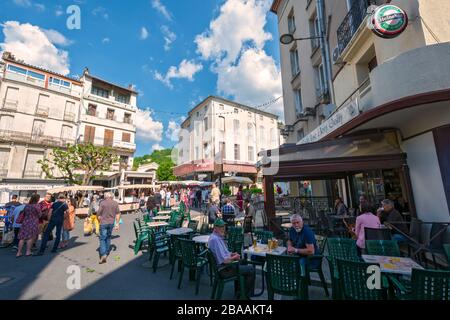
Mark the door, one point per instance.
(38, 129)
(89, 134)
(108, 139)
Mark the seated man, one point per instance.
(228, 213)
(302, 240)
(389, 214)
(223, 257)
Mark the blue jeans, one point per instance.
(399, 237)
(66, 235)
(105, 238)
(51, 225)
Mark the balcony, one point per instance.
(127, 120)
(10, 105)
(23, 137)
(32, 174)
(69, 116)
(124, 145)
(351, 23)
(42, 111)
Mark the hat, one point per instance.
(219, 223)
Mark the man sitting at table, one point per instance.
(228, 213)
(302, 240)
(224, 257)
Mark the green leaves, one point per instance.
(163, 159)
(86, 158)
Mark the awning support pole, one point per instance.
(269, 200)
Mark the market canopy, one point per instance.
(237, 180)
(139, 186)
(75, 188)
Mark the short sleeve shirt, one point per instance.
(301, 239)
(218, 248)
(58, 209)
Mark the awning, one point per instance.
(75, 188)
(237, 180)
(139, 186)
(334, 158)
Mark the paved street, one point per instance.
(123, 277)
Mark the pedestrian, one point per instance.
(215, 194)
(29, 229)
(86, 201)
(240, 199)
(92, 212)
(162, 192)
(56, 219)
(168, 196)
(108, 213)
(151, 203)
(69, 222)
(45, 206)
(158, 200)
(250, 213)
(16, 225)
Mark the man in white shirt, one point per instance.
(162, 192)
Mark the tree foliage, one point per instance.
(87, 158)
(165, 172)
(163, 159)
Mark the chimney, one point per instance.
(86, 71)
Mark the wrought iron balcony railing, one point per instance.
(351, 23)
(17, 136)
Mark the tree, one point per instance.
(83, 157)
(165, 172)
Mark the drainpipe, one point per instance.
(325, 47)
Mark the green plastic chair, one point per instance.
(175, 254)
(219, 281)
(235, 239)
(285, 276)
(383, 248)
(314, 265)
(424, 285)
(339, 248)
(193, 224)
(263, 236)
(353, 278)
(159, 244)
(142, 236)
(191, 260)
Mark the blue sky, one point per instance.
(166, 48)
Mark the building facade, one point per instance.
(222, 132)
(349, 81)
(39, 110)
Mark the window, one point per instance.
(110, 114)
(249, 114)
(89, 134)
(262, 136)
(236, 128)
(291, 23)
(320, 80)
(122, 98)
(32, 167)
(127, 118)
(92, 110)
(314, 31)
(124, 159)
(59, 82)
(17, 69)
(108, 138)
(236, 110)
(250, 133)
(372, 64)
(206, 149)
(4, 161)
(100, 92)
(69, 112)
(43, 101)
(273, 138)
(197, 155)
(38, 129)
(197, 128)
(221, 107)
(295, 65)
(298, 101)
(300, 134)
(251, 153)
(6, 123)
(12, 98)
(237, 152)
(36, 75)
(261, 117)
(66, 132)
(222, 150)
(126, 137)
(24, 71)
(222, 124)
(205, 123)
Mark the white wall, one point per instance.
(426, 178)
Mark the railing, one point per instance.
(351, 23)
(42, 110)
(127, 120)
(69, 116)
(10, 104)
(16, 136)
(32, 174)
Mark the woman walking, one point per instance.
(240, 199)
(30, 225)
(69, 223)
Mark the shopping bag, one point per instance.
(88, 228)
(8, 238)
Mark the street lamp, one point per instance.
(288, 38)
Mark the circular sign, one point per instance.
(389, 21)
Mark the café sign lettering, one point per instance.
(388, 21)
(341, 117)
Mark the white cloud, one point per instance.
(101, 12)
(186, 70)
(23, 3)
(173, 129)
(147, 128)
(40, 7)
(144, 33)
(169, 37)
(33, 45)
(59, 11)
(106, 40)
(157, 147)
(235, 43)
(156, 4)
(57, 38)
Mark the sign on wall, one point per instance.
(388, 21)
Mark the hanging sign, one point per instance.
(388, 21)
